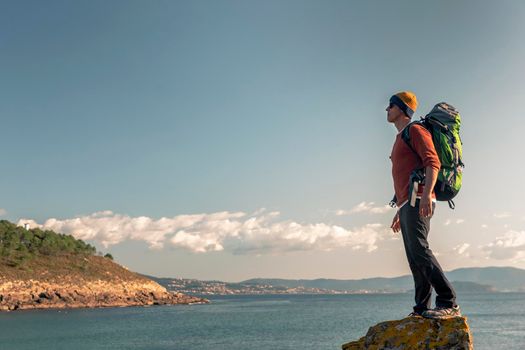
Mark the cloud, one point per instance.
(3, 212)
(509, 246)
(461, 249)
(502, 215)
(235, 232)
(449, 221)
(365, 207)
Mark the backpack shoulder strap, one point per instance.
(405, 134)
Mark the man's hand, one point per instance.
(425, 206)
(396, 227)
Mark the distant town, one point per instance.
(191, 286)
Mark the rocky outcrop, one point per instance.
(41, 269)
(413, 333)
(34, 294)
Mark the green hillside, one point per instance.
(50, 256)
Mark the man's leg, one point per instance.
(428, 269)
(422, 285)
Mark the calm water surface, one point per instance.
(251, 322)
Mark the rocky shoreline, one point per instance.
(62, 294)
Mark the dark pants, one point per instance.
(425, 268)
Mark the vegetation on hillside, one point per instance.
(18, 245)
(48, 256)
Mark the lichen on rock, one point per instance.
(413, 333)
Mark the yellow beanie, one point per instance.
(406, 101)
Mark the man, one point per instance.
(413, 215)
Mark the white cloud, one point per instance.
(461, 249)
(502, 215)
(365, 207)
(236, 232)
(457, 222)
(509, 246)
(3, 212)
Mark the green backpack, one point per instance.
(443, 123)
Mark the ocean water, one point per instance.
(267, 322)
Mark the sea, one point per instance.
(260, 322)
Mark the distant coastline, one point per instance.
(465, 280)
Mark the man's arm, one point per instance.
(424, 147)
(425, 206)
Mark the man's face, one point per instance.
(393, 113)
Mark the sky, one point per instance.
(230, 140)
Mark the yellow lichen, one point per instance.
(416, 333)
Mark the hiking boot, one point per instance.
(442, 312)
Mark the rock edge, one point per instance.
(416, 333)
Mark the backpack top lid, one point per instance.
(445, 113)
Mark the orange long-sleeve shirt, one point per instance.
(404, 160)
